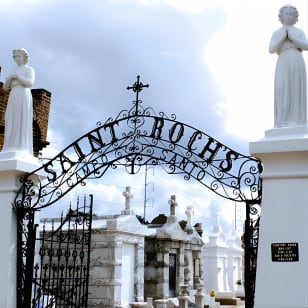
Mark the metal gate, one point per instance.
(139, 137)
(59, 275)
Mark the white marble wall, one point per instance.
(222, 261)
(284, 219)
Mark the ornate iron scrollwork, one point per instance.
(139, 137)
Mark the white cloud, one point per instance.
(206, 61)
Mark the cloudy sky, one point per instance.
(206, 61)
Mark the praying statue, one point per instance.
(290, 93)
(18, 134)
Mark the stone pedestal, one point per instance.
(150, 302)
(11, 170)
(199, 296)
(183, 298)
(161, 303)
(138, 304)
(282, 279)
(183, 301)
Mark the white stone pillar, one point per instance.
(283, 282)
(11, 171)
(210, 264)
(229, 272)
(139, 271)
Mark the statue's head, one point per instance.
(23, 52)
(292, 10)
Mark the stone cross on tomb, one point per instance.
(217, 227)
(128, 196)
(172, 204)
(189, 212)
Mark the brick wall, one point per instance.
(41, 109)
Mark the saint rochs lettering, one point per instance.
(162, 129)
(172, 132)
(112, 131)
(95, 140)
(213, 151)
(65, 163)
(208, 152)
(157, 128)
(78, 151)
(155, 138)
(192, 139)
(226, 165)
(50, 171)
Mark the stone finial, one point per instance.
(172, 204)
(128, 196)
(189, 212)
(217, 227)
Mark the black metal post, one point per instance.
(20, 272)
(25, 256)
(249, 297)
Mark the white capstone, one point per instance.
(284, 219)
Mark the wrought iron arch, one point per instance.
(139, 136)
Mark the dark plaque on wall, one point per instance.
(285, 252)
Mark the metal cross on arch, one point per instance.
(137, 87)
